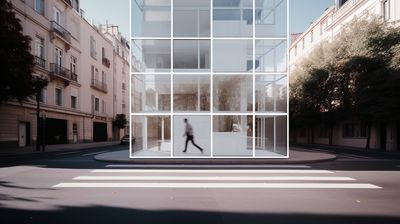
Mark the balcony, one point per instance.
(345, 8)
(58, 31)
(99, 85)
(106, 62)
(57, 71)
(40, 62)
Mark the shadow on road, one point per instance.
(100, 214)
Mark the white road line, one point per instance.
(204, 171)
(220, 185)
(212, 178)
(202, 166)
(94, 153)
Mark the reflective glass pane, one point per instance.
(271, 56)
(152, 136)
(152, 55)
(271, 93)
(151, 93)
(191, 18)
(271, 18)
(233, 55)
(232, 135)
(191, 93)
(151, 18)
(193, 135)
(191, 55)
(233, 93)
(270, 136)
(233, 18)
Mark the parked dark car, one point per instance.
(125, 140)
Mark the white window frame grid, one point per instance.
(211, 73)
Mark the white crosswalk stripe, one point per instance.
(172, 166)
(215, 178)
(206, 171)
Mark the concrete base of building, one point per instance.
(297, 156)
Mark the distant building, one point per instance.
(79, 60)
(352, 132)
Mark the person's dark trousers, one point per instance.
(190, 138)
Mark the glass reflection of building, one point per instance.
(222, 65)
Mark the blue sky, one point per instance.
(115, 11)
(302, 13)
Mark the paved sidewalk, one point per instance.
(297, 156)
(54, 148)
(355, 150)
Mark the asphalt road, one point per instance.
(73, 188)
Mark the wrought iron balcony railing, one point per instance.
(61, 31)
(106, 62)
(62, 72)
(39, 62)
(99, 85)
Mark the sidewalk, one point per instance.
(346, 149)
(296, 156)
(31, 150)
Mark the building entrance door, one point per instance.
(99, 131)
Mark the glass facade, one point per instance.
(209, 79)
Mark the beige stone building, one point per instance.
(353, 133)
(79, 60)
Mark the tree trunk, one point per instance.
(330, 134)
(312, 135)
(367, 145)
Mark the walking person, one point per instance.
(189, 135)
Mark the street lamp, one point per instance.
(39, 83)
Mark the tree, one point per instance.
(120, 121)
(16, 60)
(355, 75)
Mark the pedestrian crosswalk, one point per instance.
(215, 179)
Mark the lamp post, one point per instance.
(38, 93)
(39, 83)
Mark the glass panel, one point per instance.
(271, 56)
(232, 135)
(151, 93)
(191, 93)
(266, 143)
(233, 18)
(191, 55)
(151, 55)
(191, 18)
(233, 93)
(152, 136)
(271, 18)
(151, 18)
(194, 134)
(233, 55)
(271, 93)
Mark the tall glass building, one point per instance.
(221, 65)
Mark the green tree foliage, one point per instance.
(120, 121)
(355, 75)
(16, 61)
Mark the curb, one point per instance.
(214, 161)
(61, 150)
